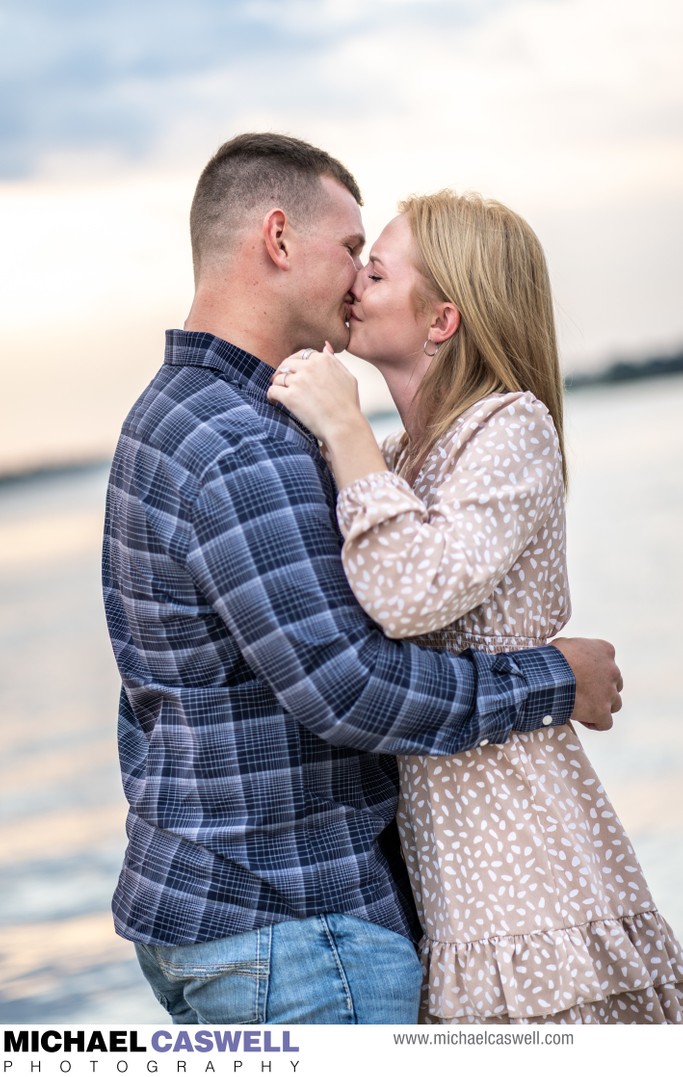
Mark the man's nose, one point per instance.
(358, 284)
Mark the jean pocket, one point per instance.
(224, 981)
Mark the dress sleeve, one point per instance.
(418, 566)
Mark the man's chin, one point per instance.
(350, 346)
(340, 340)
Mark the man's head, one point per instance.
(285, 215)
(253, 171)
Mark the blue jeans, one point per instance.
(326, 970)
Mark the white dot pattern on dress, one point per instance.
(486, 522)
(532, 901)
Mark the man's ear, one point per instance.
(274, 230)
(445, 322)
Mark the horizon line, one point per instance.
(618, 373)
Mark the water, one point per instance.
(62, 813)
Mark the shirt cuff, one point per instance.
(551, 687)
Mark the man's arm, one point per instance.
(265, 553)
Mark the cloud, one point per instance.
(542, 102)
(540, 92)
(91, 76)
(121, 76)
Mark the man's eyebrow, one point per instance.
(356, 240)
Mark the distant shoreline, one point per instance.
(59, 470)
(622, 370)
(617, 373)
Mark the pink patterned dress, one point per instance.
(532, 902)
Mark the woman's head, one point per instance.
(485, 260)
(390, 319)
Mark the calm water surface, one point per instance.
(62, 813)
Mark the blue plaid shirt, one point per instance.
(260, 708)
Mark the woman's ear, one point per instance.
(445, 322)
(273, 230)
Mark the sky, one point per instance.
(570, 111)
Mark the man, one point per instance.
(261, 709)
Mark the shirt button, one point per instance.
(483, 743)
(548, 720)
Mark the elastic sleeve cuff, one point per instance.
(373, 500)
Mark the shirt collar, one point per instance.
(206, 350)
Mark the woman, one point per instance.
(531, 900)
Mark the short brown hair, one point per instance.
(251, 170)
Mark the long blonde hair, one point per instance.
(484, 258)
